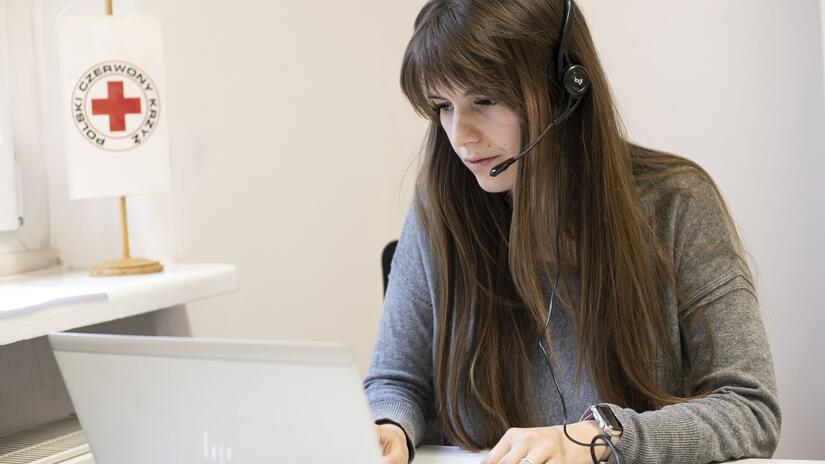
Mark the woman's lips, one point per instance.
(481, 165)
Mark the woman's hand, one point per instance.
(546, 445)
(393, 442)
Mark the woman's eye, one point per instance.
(446, 106)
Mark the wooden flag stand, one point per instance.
(125, 265)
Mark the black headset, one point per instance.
(573, 78)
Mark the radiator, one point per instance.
(59, 442)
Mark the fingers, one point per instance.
(535, 456)
(498, 452)
(395, 456)
(395, 453)
(393, 446)
(524, 456)
(518, 446)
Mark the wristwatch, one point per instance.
(606, 420)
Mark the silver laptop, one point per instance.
(188, 400)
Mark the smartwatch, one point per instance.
(606, 420)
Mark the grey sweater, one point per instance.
(739, 418)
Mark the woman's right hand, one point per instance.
(393, 442)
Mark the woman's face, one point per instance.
(482, 132)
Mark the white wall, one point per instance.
(292, 171)
(290, 141)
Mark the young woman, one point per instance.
(591, 301)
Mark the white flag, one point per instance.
(114, 88)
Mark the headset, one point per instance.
(574, 79)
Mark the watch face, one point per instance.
(609, 418)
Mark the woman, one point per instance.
(655, 351)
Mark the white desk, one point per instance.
(453, 455)
(37, 303)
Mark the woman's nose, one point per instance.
(464, 129)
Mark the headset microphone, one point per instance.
(501, 167)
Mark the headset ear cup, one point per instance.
(576, 80)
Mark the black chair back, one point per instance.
(386, 261)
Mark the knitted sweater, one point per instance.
(739, 418)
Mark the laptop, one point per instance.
(192, 400)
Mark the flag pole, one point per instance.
(124, 228)
(125, 265)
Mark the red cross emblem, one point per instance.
(115, 106)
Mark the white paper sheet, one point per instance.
(24, 295)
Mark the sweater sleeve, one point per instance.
(724, 338)
(399, 381)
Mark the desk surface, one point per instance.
(453, 455)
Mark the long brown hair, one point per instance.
(492, 251)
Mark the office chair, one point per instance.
(386, 261)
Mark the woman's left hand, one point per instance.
(546, 445)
